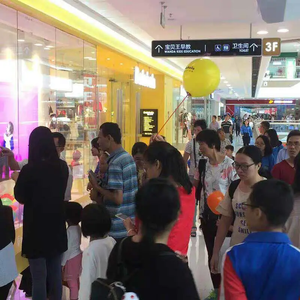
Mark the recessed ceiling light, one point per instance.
(283, 30)
(50, 46)
(121, 64)
(222, 77)
(262, 32)
(21, 40)
(93, 52)
(108, 58)
(46, 48)
(229, 85)
(225, 81)
(38, 45)
(87, 57)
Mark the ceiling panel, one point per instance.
(200, 19)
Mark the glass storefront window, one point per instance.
(47, 78)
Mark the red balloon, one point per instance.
(213, 201)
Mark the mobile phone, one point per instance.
(121, 216)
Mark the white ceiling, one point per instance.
(200, 19)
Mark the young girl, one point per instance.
(71, 260)
(137, 153)
(96, 224)
(102, 174)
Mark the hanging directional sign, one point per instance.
(231, 47)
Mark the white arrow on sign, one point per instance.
(158, 48)
(253, 46)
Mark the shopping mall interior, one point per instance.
(72, 65)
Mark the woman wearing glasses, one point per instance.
(214, 174)
(247, 164)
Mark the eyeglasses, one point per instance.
(295, 144)
(244, 168)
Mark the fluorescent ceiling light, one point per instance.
(283, 30)
(38, 45)
(262, 32)
(229, 85)
(50, 46)
(225, 81)
(46, 48)
(21, 40)
(87, 57)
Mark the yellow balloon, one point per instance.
(201, 77)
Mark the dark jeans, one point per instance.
(246, 140)
(209, 229)
(238, 131)
(45, 270)
(4, 290)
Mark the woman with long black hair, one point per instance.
(165, 161)
(153, 270)
(275, 143)
(263, 143)
(41, 187)
(247, 165)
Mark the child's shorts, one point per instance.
(73, 268)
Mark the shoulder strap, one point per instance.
(202, 171)
(232, 188)
(194, 149)
(120, 266)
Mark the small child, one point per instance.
(71, 260)
(96, 224)
(229, 149)
(266, 266)
(95, 196)
(137, 153)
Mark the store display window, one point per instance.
(47, 78)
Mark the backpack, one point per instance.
(106, 289)
(231, 190)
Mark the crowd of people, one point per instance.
(145, 207)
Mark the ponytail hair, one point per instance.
(172, 163)
(157, 206)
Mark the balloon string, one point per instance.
(173, 113)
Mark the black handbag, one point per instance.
(106, 289)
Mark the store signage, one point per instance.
(149, 122)
(272, 47)
(229, 47)
(144, 78)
